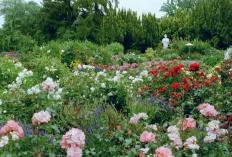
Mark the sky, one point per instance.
(141, 6)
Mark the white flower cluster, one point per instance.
(228, 54)
(87, 67)
(19, 79)
(191, 143)
(4, 141)
(34, 90)
(52, 87)
(174, 136)
(214, 131)
(116, 78)
(49, 86)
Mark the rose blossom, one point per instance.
(194, 67)
(134, 120)
(174, 136)
(49, 85)
(74, 152)
(207, 110)
(73, 138)
(41, 117)
(163, 152)
(12, 126)
(191, 143)
(188, 123)
(147, 137)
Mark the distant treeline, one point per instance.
(102, 22)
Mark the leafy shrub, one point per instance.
(213, 59)
(16, 41)
(169, 54)
(48, 67)
(132, 58)
(8, 71)
(115, 49)
(149, 53)
(198, 47)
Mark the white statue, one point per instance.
(165, 41)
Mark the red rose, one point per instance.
(186, 87)
(194, 67)
(161, 89)
(175, 86)
(176, 70)
(153, 73)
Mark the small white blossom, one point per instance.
(3, 141)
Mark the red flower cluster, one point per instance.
(194, 67)
(173, 83)
(175, 86)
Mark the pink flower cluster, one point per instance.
(73, 141)
(49, 85)
(163, 152)
(12, 126)
(147, 137)
(188, 124)
(135, 119)
(41, 118)
(174, 136)
(207, 110)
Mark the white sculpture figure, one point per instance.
(165, 41)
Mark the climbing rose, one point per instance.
(41, 117)
(163, 152)
(147, 137)
(12, 126)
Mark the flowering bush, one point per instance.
(161, 109)
(175, 83)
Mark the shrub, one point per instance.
(8, 71)
(16, 41)
(198, 47)
(213, 59)
(115, 49)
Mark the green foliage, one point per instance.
(199, 47)
(171, 6)
(214, 58)
(8, 72)
(15, 41)
(115, 49)
(209, 21)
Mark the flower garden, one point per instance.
(52, 105)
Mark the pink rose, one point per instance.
(147, 137)
(188, 123)
(74, 152)
(73, 138)
(163, 152)
(12, 126)
(41, 117)
(207, 110)
(134, 120)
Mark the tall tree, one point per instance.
(211, 20)
(171, 6)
